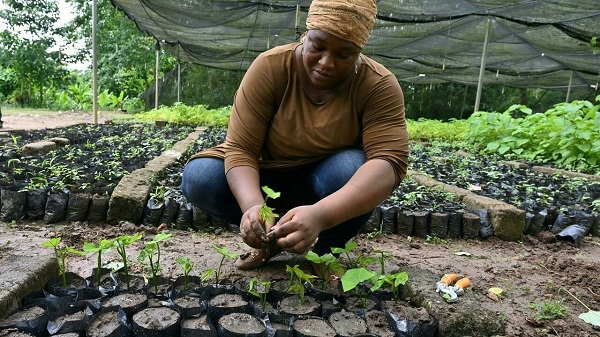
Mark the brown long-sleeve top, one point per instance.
(275, 125)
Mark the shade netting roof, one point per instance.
(537, 44)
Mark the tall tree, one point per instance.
(126, 56)
(25, 45)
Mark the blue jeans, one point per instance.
(204, 185)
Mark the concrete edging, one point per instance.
(130, 196)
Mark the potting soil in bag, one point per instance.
(471, 226)
(404, 222)
(374, 221)
(486, 229)
(169, 213)
(30, 318)
(595, 229)
(36, 203)
(455, 224)
(572, 234)
(388, 219)
(13, 205)
(98, 208)
(184, 215)
(77, 207)
(439, 225)
(421, 224)
(537, 222)
(56, 206)
(153, 212)
(563, 220)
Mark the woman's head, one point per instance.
(350, 20)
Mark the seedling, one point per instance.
(331, 263)
(121, 242)
(297, 280)
(186, 266)
(395, 281)
(259, 289)
(103, 246)
(353, 277)
(152, 252)
(383, 254)
(550, 310)
(60, 253)
(225, 254)
(359, 260)
(266, 213)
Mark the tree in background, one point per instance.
(26, 58)
(126, 56)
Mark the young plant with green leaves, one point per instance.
(298, 278)
(151, 251)
(354, 277)
(186, 266)
(550, 310)
(103, 246)
(396, 280)
(121, 242)
(259, 289)
(356, 260)
(60, 253)
(330, 263)
(266, 213)
(225, 253)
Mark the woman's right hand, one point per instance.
(253, 230)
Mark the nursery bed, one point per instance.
(531, 272)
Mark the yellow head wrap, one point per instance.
(351, 20)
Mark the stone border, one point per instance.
(129, 198)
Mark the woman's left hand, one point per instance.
(299, 228)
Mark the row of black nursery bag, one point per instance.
(81, 306)
(52, 205)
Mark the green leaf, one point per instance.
(270, 193)
(591, 317)
(51, 243)
(354, 277)
(161, 237)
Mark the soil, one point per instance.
(240, 324)
(531, 273)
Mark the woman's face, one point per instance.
(327, 59)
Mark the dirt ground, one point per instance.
(537, 271)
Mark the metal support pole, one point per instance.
(156, 76)
(178, 82)
(95, 61)
(482, 67)
(569, 89)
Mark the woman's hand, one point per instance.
(299, 228)
(254, 232)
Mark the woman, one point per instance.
(318, 122)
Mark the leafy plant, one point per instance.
(60, 253)
(331, 263)
(259, 289)
(266, 212)
(395, 280)
(186, 266)
(121, 242)
(225, 253)
(151, 251)
(103, 246)
(297, 280)
(353, 277)
(356, 261)
(551, 309)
